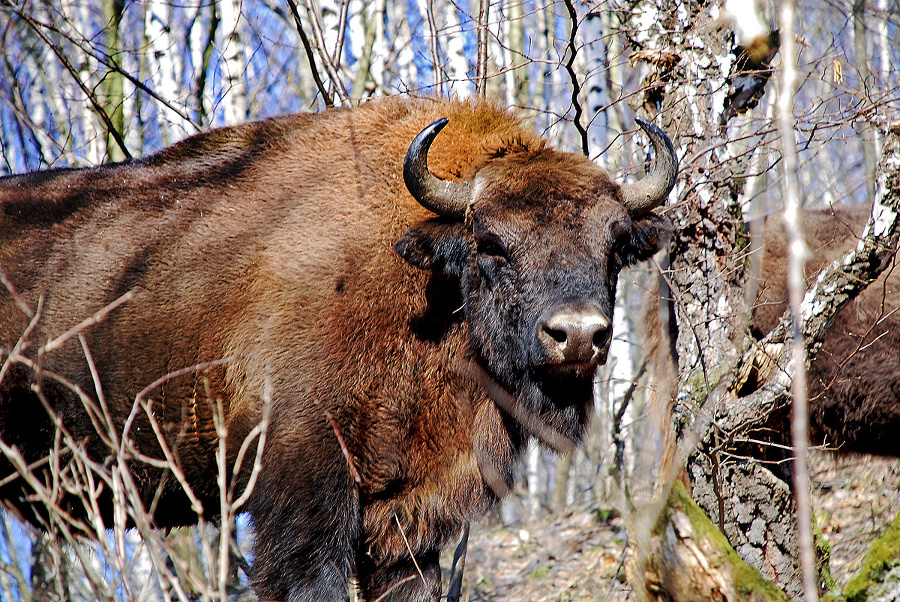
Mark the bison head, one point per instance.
(536, 240)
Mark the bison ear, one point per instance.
(649, 234)
(438, 244)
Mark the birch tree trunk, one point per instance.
(165, 69)
(458, 65)
(94, 150)
(233, 63)
(688, 59)
(714, 406)
(864, 80)
(113, 82)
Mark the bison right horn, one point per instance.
(442, 197)
(652, 190)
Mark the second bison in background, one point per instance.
(421, 300)
(854, 381)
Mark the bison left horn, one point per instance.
(652, 190)
(442, 197)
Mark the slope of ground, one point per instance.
(580, 556)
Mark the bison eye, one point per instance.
(491, 248)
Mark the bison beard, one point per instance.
(434, 346)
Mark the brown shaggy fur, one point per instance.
(274, 243)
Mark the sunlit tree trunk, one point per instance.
(458, 64)
(202, 45)
(165, 69)
(94, 149)
(407, 73)
(516, 78)
(367, 41)
(233, 63)
(864, 82)
(113, 82)
(597, 98)
(687, 72)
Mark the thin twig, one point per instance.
(89, 94)
(162, 379)
(22, 343)
(341, 29)
(326, 95)
(337, 433)
(26, 309)
(330, 67)
(95, 319)
(571, 51)
(508, 403)
(101, 59)
(797, 252)
(389, 590)
(409, 549)
(435, 48)
(261, 430)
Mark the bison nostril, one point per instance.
(575, 332)
(601, 338)
(557, 335)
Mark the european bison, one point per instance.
(433, 312)
(854, 381)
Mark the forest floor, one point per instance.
(582, 555)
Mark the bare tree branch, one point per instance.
(88, 93)
(481, 66)
(330, 67)
(326, 95)
(797, 253)
(571, 52)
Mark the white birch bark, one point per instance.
(536, 485)
(404, 64)
(46, 112)
(330, 11)
(510, 28)
(234, 100)
(863, 74)
(593, 49)
(198, 39)
(885, 70)
(458, 66)
(551, 75)
(93, 150)
(368, 44)
(708, 281)
(375, 12)
(165, 69)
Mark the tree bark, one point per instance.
(863, 78)
(113, 82)
(688, 77)
(233, 64)
(687, 558)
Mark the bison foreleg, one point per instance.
(409, 580)
(304, 549)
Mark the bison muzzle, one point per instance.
(421, 285)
